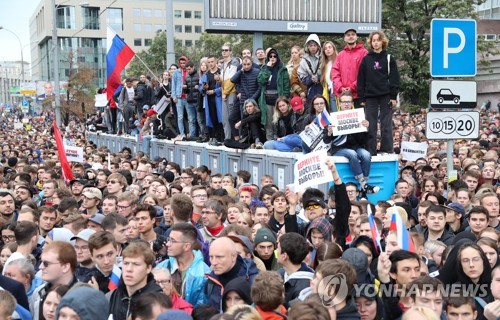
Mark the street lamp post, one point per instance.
(22, 56)
(56, 64)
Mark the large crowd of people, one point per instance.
(131, 237)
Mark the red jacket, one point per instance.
(345, 69)
(181, 304)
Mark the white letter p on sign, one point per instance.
(452, 50)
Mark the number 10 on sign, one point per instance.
(452, 125)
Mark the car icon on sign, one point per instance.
(447, 95)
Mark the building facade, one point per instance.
(81, 31)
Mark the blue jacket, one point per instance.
(215, 285)
(218, 101)
(34, 284)
(194, 280)
(177, 82)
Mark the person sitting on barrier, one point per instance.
(288, 122)
(353, 147)
(149, 130)
(318, 104)
(250, 126)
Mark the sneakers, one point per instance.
(252, 146)
(203, 139)
(368, 189)
(259, 145)
(297, 149)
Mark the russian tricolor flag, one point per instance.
(374, 230)
(404, 239)
(323, 119)
(114, 278)
(117, 58)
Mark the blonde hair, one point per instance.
(325, 60)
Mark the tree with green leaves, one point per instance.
(407, 25)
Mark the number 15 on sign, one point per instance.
(452, 125)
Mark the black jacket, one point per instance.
(120, 302)
(296, 282)
(374, 79)
(247, 84)
(447, 236)
(354, 141)
(340, 223)
(142, 95)
(192, 93)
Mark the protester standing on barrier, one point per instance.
(212, 95)
(274, 82)
(378, 88)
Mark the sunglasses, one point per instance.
(224, 50)
(313, 206)
(273, 56)
(46, 263)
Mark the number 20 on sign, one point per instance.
(452, 125)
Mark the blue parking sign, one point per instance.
(453, 48)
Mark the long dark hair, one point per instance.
(327, 105)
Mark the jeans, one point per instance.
(200, 117)
(287, 144)
(227, 107)
(359, 160)
(146, 145)
(269, 123)
(191, 111)
(373, 105)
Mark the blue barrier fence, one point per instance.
(280, 165)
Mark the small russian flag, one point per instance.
(404, 239)
(323, 119)
(114, 278)
(374, 230)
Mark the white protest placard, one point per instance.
(348, 121)
(18, 125)
(161, 105)
(311, 169)
(101, 100)
(413, 150)
(312, 135)
(74, 153)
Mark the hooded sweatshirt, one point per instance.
(239, 285)
(88, 303)
(310, 66)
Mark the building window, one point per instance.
(197, 14)
(137, 27)
(65, 18)
(188, 43)
(197, 29)
(136, 12)
(146, 13)
(148, 42)
(188, 29)
(158, 27)
(178, 28)
(137, 42)
(115, 18)
(178, 14)
(158, 13)
(490, 37)
(147, 27)
(90, 17)
(187, 14)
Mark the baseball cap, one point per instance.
(81, 181)
(296, 103)
(97, 218)
(457, 207)
(93, 193)
(151, 112)
(316, 200)
(84, 234)
(145, 107)
(351, 29)
(244, 241)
